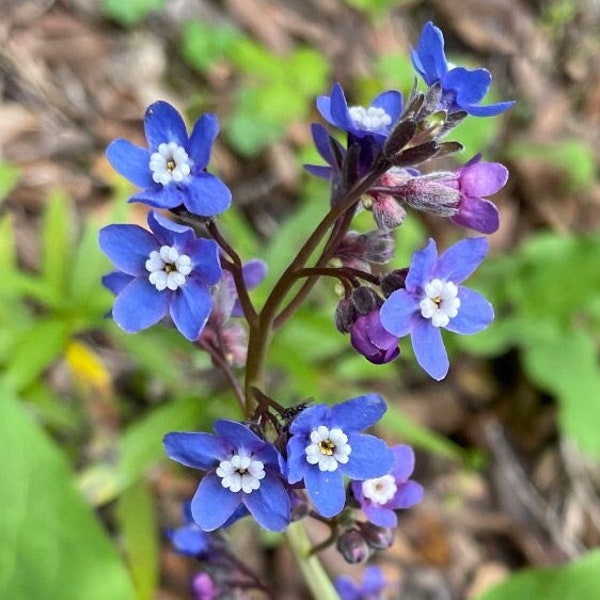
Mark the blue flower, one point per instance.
(325, 445)
(189, 539)
(434, 299)
(168, 271)
(172, 170)
(240, 470)
(462, 89)
(380, 497)
(376, 120)
(371, 588)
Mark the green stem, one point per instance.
(314, 574)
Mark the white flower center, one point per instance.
(168, 268)
(170, 163)
(328, 447)
(241, 472)
(379, 490)
(371, 119)
(441, 302)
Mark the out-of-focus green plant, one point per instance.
(547, 298)
(274, 90)
(130, 12)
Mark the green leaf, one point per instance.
(129, 12)
(52, 544)
(136, 514)
(565, 362)
(57, 238)
(203, 45)
(579, 580)
(37, 348)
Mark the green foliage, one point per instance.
(274, 91)
(9, 176)
(52, 544)
(576, 581)
(375, 8)
(130, 12)
(547, 296)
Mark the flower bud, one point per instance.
(378, 538)
(345, 315)
(435, 197)
(352, 546)
(387, 211)
(204, 588)
(369, 338)
(393, 281)
(365, 299)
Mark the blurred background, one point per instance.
(507, 446)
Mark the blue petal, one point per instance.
(213, 504)
(479, 214)
(139, 305)
(370, 457)
(203, 136)
(190, 540)
(408, 494)
(346, 588)
(319, 171)
(429, 348)
(311, 417)
(190, 308)
(161, 196)
(397, 313)
(322, 142)
(237, 434)
(470, 86)
(269, 504)
(296, 458)
(404, 462)
(357, 413)
(198, 450)
(373, 580)
(206, 264)
(461, 259)
(380, 515)
(391, 102)
(163, 124)
(170, 233)
(326, 491)
(339, 109)
(206, 195)
(253, 272)
(116, 281)
(431, 62)
(324, 107)
(128, 246)
(474, 314)
(490, 110)
(130, 161)
(421, 267)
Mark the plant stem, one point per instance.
(314, 574)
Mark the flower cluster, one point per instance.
(280, 463)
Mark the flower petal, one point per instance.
(139, 305)
(170, 233)
(213, 504)
(479, 214)
(429, 58)
(429, 348)
(269, 504)
(206, 195)
(310, 417)
(380, 515)
(470, 85)
(490, 110)
(190, 540)
(296, 458)
(201, 141)
(198, 450)
(190, 308)
(421, 266)
(130, 161)
(116, 281)
(357, 413)
(408, 494)
(391, 102)
(128, 246)
(474, 315)
(373, 580)
(237, 434)
(206, 264)
(325, 490)
(339, 109)
(461, 259)
(161, 196)
(397, 313)
(482, 178)
(370, 457)
(404, 462)
(163, 124)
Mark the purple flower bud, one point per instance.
(378, 538)
(359, 251)
(365, 299)
(353, 547)
(345, 315)
(204, 588)
(387, 211)
(369, 338)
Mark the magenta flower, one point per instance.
(369, 338)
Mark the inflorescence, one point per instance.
(280, 463)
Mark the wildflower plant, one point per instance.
(285, 461)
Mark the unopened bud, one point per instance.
(393, 281)
(353, 547)
(435, 197)
(204, 588)
(365, 300)
(387, 211)
(345, 315)
(378, 538)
